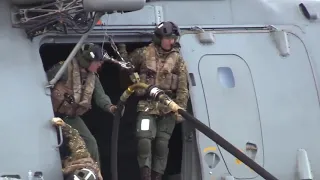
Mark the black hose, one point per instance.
(226, 145)
(114, 140)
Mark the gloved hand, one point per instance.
(179, 118)
(113, 109)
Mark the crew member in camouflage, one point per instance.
(78, 158)
(158, 64)
(72, 94)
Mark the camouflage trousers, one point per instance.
(91, 143)
(154, 133)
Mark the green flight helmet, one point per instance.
(90, 52)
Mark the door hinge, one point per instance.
(280, 38)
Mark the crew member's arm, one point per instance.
(136, 57)
(123, 51)
(182, 94)
(101, 99)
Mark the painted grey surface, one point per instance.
(276, 96)
(26, 2)
(112, 5)
(28, 140)
(274, 103)
(220, 12)
(231, 104)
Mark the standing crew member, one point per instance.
(72, 94)
(158, 64)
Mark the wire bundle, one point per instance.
(58, 16)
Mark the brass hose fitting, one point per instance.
(164, 99)
(130, 90)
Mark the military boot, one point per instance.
(145, 173)
(156, 176)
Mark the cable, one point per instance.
(37, 19)
(74, 23)
(105, 34)
(64, 19)
(39, 26)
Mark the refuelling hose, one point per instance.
(114, 140)
(160, 96)
(226, 145)
(115, 126)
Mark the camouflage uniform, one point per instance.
(78, 156)
(75, 80)
(166, 70)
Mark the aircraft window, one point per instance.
(226, 77)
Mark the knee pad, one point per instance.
(144, 147)
(161, 147)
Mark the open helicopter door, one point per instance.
(238, 79)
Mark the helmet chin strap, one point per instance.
(167, 50)
(157, 41)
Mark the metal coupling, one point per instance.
(154, 92)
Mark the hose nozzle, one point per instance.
(159, 95)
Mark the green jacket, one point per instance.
(99, 96)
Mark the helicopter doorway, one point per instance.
(115, 82)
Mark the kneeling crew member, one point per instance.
(76, 160)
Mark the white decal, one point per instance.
(145, 124)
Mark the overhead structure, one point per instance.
(41, 16)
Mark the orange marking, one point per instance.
(237, 160)
(99, 22)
